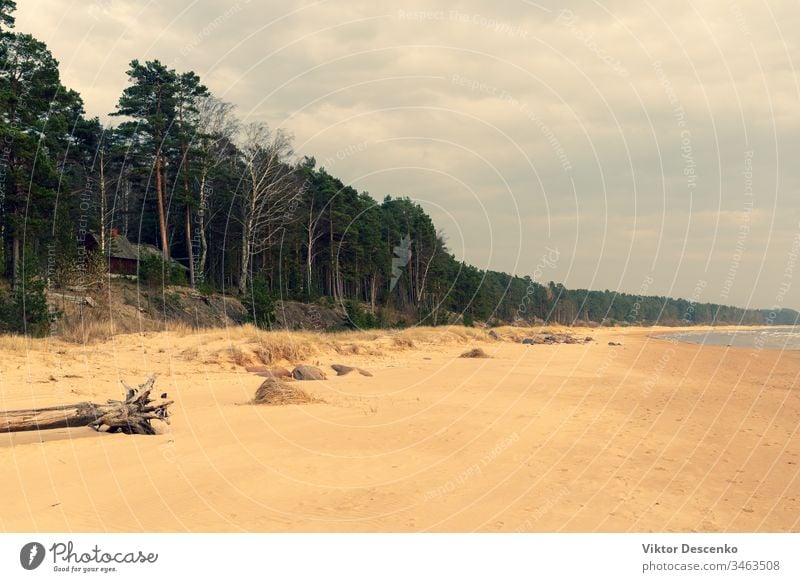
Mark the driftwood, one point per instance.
(130, 416)
(80, 300)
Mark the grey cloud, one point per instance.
(506, 107)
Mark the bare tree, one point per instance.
(216, 128)
(313, 233)
(269, 191)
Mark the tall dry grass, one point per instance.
(85, 326)
(18, 343)
(245, 345)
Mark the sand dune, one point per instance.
(651, 435)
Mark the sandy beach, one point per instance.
(652, 435)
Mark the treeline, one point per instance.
(230, 203)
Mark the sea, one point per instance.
(781, 338)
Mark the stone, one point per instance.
(342, 370)
(308, 373)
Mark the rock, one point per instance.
(588, 339)
(342, 370)
(528, 341)
(614, 344)
(493, 334)
(308, 373)
(474, 353)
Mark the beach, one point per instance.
(650, 435)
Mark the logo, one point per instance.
(31, 555)
(402, 258)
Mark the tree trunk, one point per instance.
(162, 222)
(131, 416)
(15, 262)
(187, 193)
(310, 253)
(245, 264)
(189, 243)
(201, 227)
(103, 213)
(126, 206)
(373, 291)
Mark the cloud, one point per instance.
(602, 129)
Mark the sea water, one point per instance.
(783, 338)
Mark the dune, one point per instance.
(652, 435)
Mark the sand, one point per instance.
(649, 436)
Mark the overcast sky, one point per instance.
(654, 145)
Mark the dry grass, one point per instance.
(190, 353)
(86, 331)
(451, 334)
(90, 325)
(238, 357)
(474, 353)
(273, 392)
(246, 345)
(356, 349)
(18, 343)
(402, 342)
(179, 329)
(285, 346)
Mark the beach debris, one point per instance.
(474, 353)
(614, 344)
(555, 338)
(342, 370)
(266, 372)
(130, 416)
(552, 339)
(307, 373)
(274, 392)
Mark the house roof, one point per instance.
(121, 248)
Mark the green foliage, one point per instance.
(173, 301)
(357, 317)
(206, 288)
(6, 9)
(26, 310)
(468, 320)
(259, 303)
(157, 273)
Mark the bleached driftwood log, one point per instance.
(130, 416)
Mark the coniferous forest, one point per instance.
(225, 206)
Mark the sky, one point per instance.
(643, 147)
